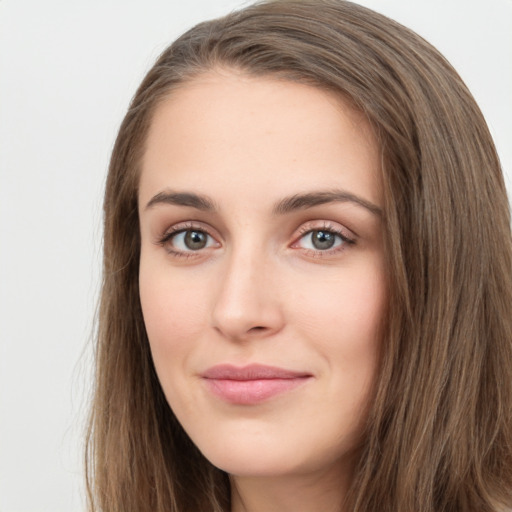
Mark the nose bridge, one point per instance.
(246, 303)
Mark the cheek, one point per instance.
(343, 321)
(349, 308)
(174, 312)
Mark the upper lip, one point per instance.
(251, 372)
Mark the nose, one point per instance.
(247, 304)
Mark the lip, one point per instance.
(251, 384)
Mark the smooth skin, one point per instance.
(233, 271)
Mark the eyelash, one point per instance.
(328, 228)
(304, 230)
(176, 230)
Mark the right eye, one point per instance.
(190, 240)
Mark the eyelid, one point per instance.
(347, 236)
(182, 227)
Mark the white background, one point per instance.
(67, 72)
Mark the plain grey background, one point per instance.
(67, 72)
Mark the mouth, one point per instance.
(251, 384)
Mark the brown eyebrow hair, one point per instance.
(310, 199)
(190, 199)
(284, 206)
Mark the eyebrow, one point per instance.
(199, 202)
(282, 207)
(311, 199)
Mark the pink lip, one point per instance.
(251, 384)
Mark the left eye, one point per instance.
(321, 240)
(191, 240)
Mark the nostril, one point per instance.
(257, 328)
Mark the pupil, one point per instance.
(195, 240)
(323, 239)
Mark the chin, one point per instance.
(253, 456)
(261, 465)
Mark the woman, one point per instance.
(307, 277)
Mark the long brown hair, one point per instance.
(439, 433)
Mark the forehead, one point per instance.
(225, 129)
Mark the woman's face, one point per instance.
(262, 275)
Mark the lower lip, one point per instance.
(247, 392)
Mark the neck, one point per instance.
(323, 491)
